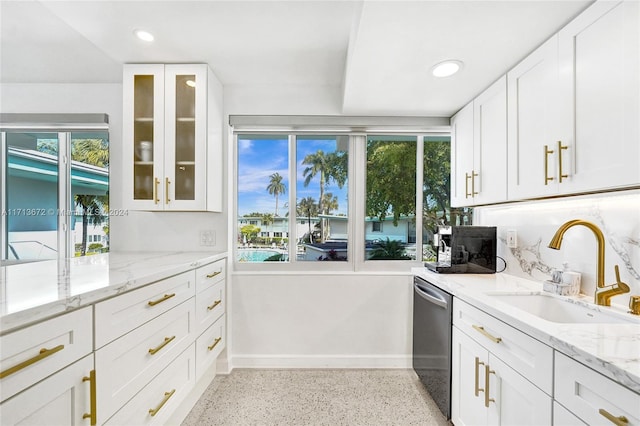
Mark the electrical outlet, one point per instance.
(512, 238)
(207, 238)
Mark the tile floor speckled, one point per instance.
(315, 397)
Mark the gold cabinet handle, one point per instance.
(213, 274)
(466, 185)
(166, 190)
(487, 371)
(488, 335)
(156, 182)
(560, 149)
(619, 421)
(216, 303)
(167, 395)
(215, 342)
(153, 351)
(474, 175)
(162, 299)
(92, 396)
(478, 389)
(547, 151)
(44, 353)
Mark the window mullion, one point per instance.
(4, 161)
(64, 195)
(293, 210)
(419, 195)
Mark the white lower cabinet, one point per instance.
(209, 345)
(592, 397)
(564, 417)
(61, 399)
(486, 391)
(160, 397)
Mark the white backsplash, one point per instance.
(617, 214)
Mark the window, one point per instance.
(54, 208)
(395, 186)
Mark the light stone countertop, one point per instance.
(611, 349)
(31, 292)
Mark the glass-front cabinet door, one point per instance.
(143, 132)
(186, 137)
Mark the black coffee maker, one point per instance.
(465, 250)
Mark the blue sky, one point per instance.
(260, 158)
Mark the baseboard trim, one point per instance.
(321, 361)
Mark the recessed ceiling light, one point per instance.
(144, 35)
(446, 68)
(190, 83)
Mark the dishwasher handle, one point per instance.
(430, 295)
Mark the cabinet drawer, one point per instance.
(210, 344)
(210, 274)
(210, 304)
(126, 365)
(61, 399)
(590, 395)
(564, 417)
(33, 353)
(170, 387)
(121, 314)
(530, 357)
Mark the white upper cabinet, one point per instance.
(479, 149)
(573, 107)
(172, 137)
(599, 55)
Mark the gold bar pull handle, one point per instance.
(474, 175)
(44, 353)
(215, 343)
(156, 182)
(167, 340)
(486, 334)
(477, 388)
(162, 299)
(560, 173)
(166, 190)
(487, 399)
(92, 397)
(547, 151)
(167, 395)
(216, 303)
(466, 185)
(619, 420)
(213, 274)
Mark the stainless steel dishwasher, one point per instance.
(432, 310)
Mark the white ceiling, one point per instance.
(378, 52)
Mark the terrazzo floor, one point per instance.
(315, 397)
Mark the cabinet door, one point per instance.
(532, 123)
(467, 381)
(462, 157)
(599, 53)
(564, 417)
(490, 144)
(61, 399)
(143, 136)
(185, 179)
(513, 400)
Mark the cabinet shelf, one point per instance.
(186, 119)
(143, 163)
(143, 119)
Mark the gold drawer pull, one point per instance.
(484, 332)
(213, 274)
(477, 388)
(466, 185)
(162, 299)
(92, 396)
(216, 303)
(156, 182)
(153, 351)
(619, 421)
(215, 342)
(167, 395)
(560, 171)
(487, 400)
(547, 151)
(166, 190)
(44, 352)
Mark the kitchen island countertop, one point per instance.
(611, 349)
(32, 292)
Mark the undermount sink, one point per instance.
(564, 310)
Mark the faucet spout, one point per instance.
(556, 241)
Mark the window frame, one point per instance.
(356, 189)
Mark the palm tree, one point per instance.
(308, 207)
(330, 202)
(276, 187)
(92, 211)
(317, 165)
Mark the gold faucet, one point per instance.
(603, 293)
